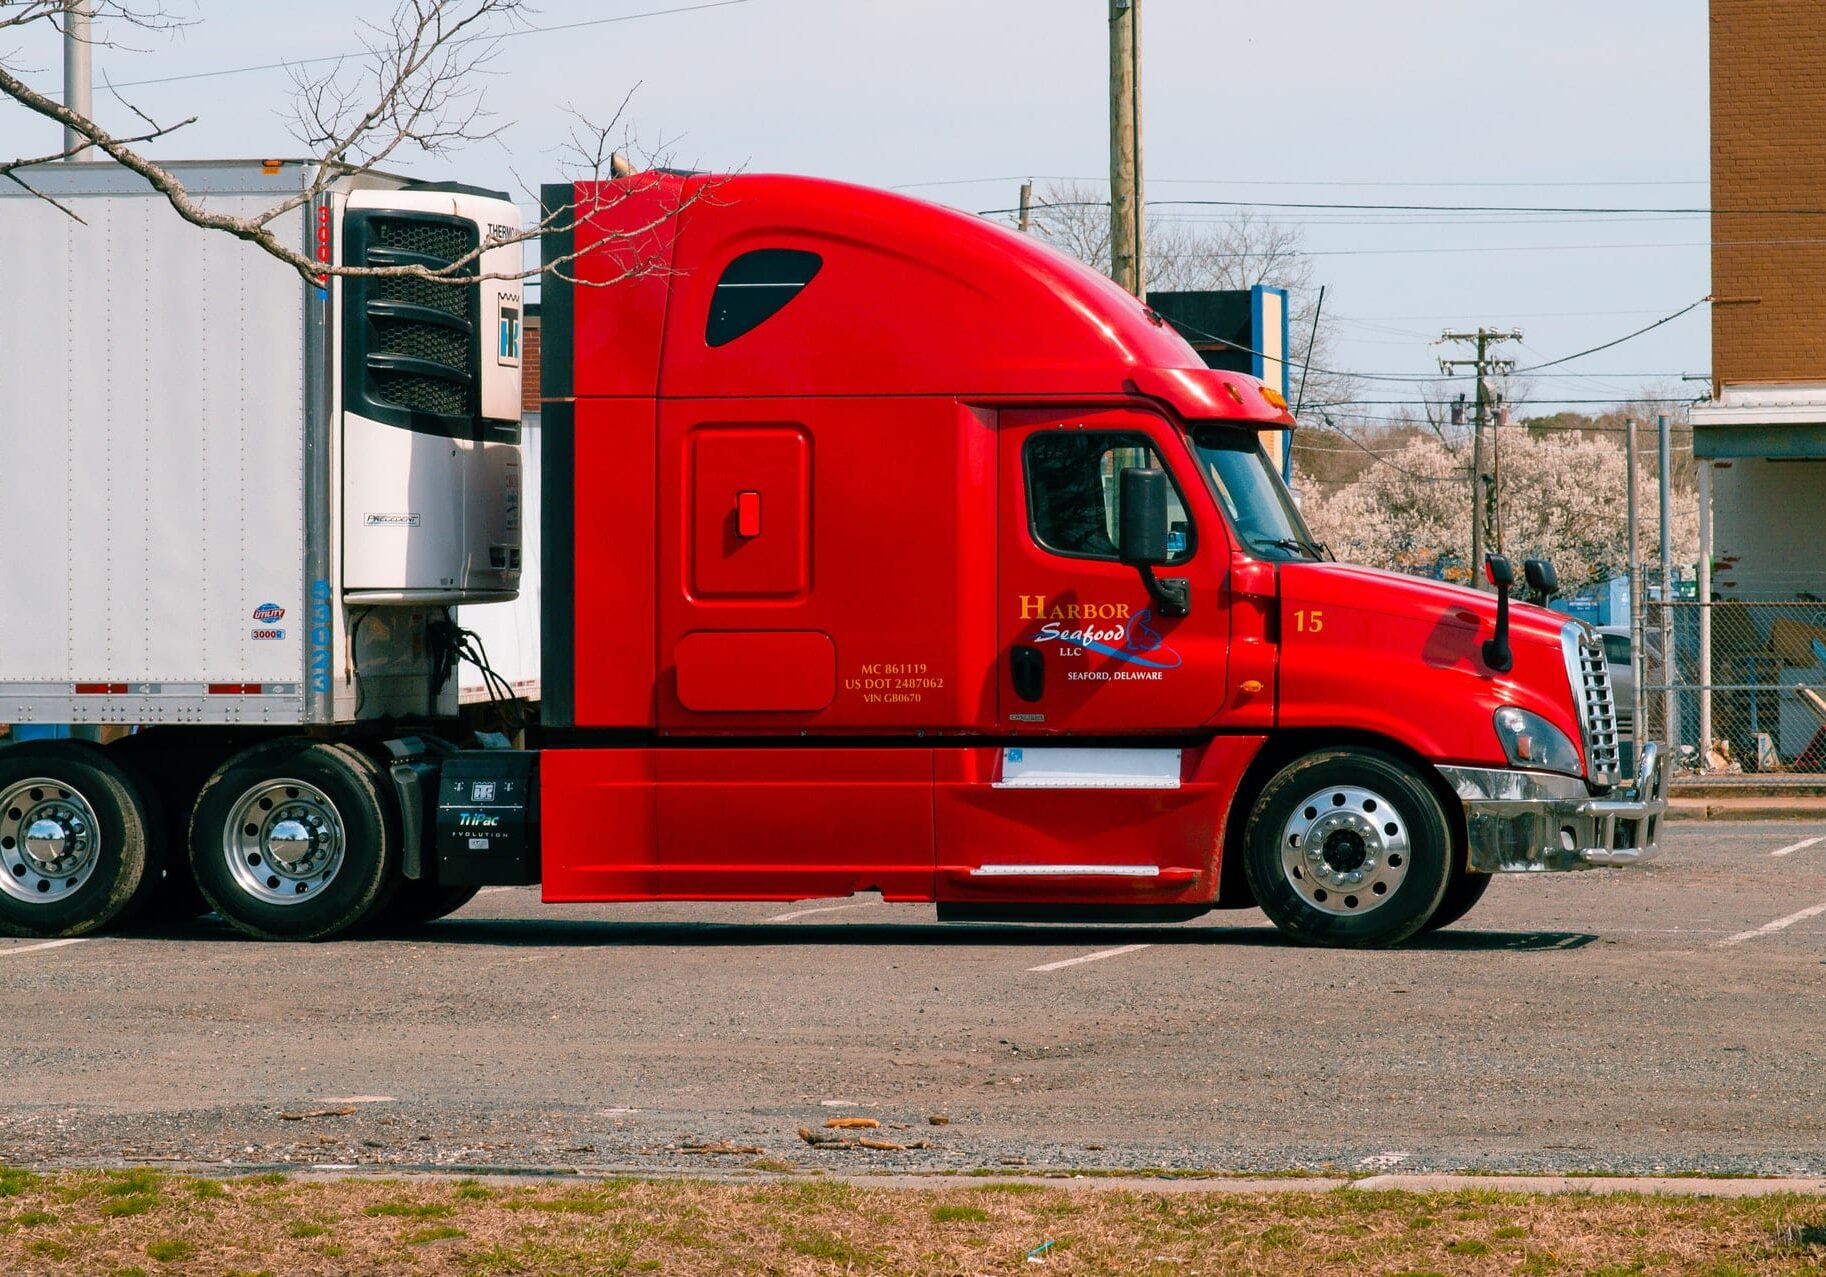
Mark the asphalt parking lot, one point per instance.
(1661, 1019)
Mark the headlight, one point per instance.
(1531, 741)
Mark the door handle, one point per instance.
(748, 514)
(1027, 666)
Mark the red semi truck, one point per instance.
(888, 550)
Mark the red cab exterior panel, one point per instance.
(842, 595)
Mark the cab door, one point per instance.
(1083, 647)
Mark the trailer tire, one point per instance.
(97, 853)
(1462, 895)
(296, 840)
(1348, 848)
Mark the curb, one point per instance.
(1075, 1182)
(1547, 1185)
(1761, 809)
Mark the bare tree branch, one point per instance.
(416, 89)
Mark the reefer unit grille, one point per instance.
(412, 344)
(446, 241)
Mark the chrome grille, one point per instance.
(1590, 678)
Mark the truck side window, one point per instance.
(1074, 482)
(753, 289)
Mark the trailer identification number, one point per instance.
(317, 656)
(1309, 621)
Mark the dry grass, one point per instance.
(138, 1222)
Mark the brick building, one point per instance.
(1765, 427)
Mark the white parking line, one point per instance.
(805, 913)
(1802, 845)
(493, 891)
(37, 948)
(1770, 928)
(1091, 957)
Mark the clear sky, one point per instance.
(1563, 103)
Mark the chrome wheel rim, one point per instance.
(284, 842)
(1345, 850)
(50, 841)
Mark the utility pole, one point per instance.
(1026, 206)
(1638, 708)
(78, 91)
(1484, 494)
(1127, 235)
(1670, 705)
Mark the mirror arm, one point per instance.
(1497, 654)
(1172, 596)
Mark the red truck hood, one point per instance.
(1402, 657)
(1396, 594)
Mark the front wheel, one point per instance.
(296, 840)
(1348, 848)
(1462, 895)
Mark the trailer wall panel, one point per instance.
(155, 380)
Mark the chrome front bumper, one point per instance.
(1519, 821)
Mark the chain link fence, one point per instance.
(1732, 687)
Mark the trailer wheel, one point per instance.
(1348, 848)
(78, 845)
(1462, 895)
(295, 840)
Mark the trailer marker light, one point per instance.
(101, 689)
(1234, 393)
(1275, 397)
(234, 689)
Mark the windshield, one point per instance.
(1255, 500)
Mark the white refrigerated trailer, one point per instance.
(240, 510)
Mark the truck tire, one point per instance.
(417, 903)
(296, 840)
(79, 847)
(1348, 848)
(1462, 895)
(170, 771)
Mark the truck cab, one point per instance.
(890, 550)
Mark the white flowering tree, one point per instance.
(1563, 499)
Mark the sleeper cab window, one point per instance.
(1074, 487)
(753, 289)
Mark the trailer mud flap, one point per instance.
(488, 819)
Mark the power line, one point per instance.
(1537, 314)
(1540, 184)
(504, 35)
(1361, 207)
(1665, 319)
(1424, 378)
(1430, 403)
(1498, 248)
